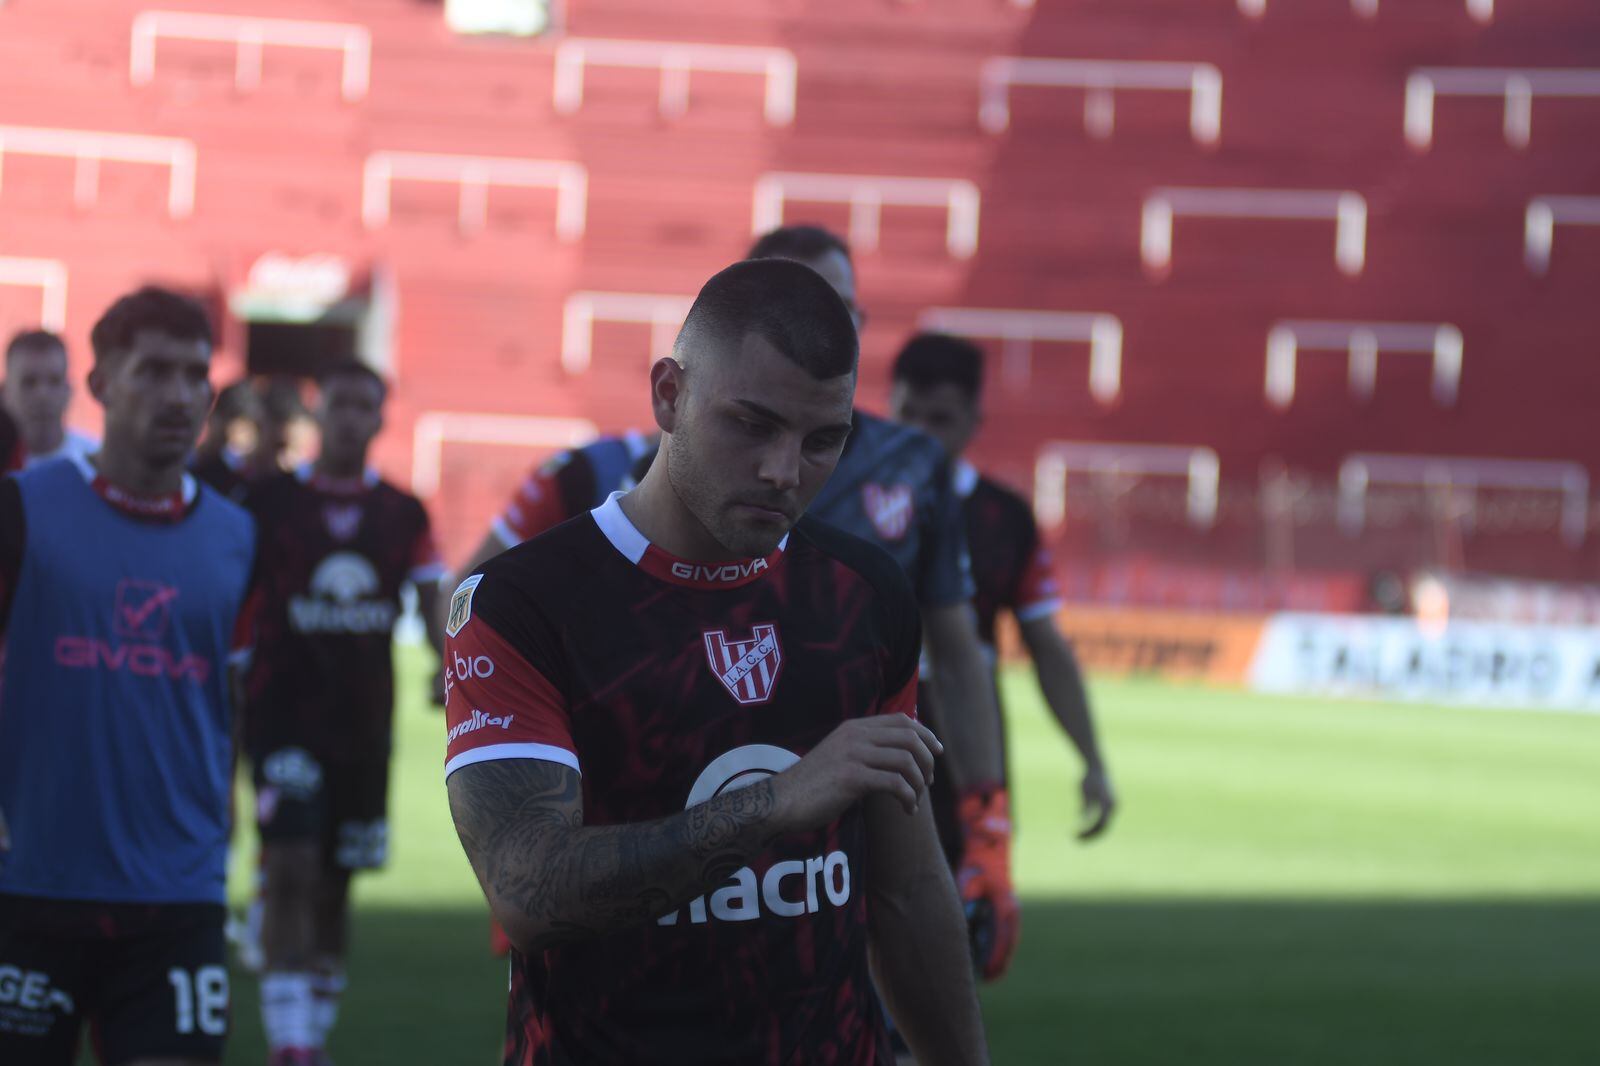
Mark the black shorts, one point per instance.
(342, 806)
(148, 979)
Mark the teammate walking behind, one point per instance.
(124, 584)
(338, 544)
(683, 757)
(938, 388)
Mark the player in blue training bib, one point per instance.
(123, 592)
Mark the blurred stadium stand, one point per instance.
(1285, 232)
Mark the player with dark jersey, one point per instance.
(682, 753)
(938, 388)
(233, 432)
(892, 486)
(338, 545)
(125, 587)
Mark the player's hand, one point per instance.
(890, 754)
(440, 690)
(1099, 801)
(994, 919)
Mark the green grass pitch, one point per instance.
(1289, 883)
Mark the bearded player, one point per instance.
(683, 759)
(938, 388)
(338, 545)
(892, 487)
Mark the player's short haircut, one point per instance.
(148, 310)
(786, 303)
(33, 340)
(932, 359)
(804, 242)
(352, 368)
(236, 401)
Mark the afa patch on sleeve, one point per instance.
(461, 605)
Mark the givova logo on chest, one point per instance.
(791, 888)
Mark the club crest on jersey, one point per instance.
(343, 519)
(890, 509)
(461, 605)
(747, 668)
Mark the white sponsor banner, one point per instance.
(1515, 666)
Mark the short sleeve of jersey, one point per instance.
(427, 564)
(548, 496)
(13, 536)
(500, 701)
(242, 648)
(945, 569)
(904, 624)
(1037, 593)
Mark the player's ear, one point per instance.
(666, 392)
(97, 381)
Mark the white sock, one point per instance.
(326, 988)
(286, 1010)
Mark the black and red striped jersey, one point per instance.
(333, 560)
(1011, 567)
(665, 682)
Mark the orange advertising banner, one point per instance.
(1179, 645)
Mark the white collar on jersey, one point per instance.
(191, 488)
(625, 536)
(964, 478)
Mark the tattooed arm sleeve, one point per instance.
(550, 879)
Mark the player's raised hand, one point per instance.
(890, 753)
(1099, 801)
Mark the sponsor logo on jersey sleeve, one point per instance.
(889, 509)
(461, 605)
(747, 668)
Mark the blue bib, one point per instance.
(115, 714)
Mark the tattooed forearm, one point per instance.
(551, 879)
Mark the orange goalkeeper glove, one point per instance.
(994, 919)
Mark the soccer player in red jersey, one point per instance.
(338, 545)
(938, 387)
(683, 756)
(892, 486)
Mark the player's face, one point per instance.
(351, 415)
(944, 412)
(156, 394)
(753, 440)
(37, 390)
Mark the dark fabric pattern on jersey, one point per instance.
(332, 566)
(731, 979)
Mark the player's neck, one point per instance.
(42, 440)
(655, 511)
(337, 468)
(123, 469)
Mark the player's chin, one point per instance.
(753, 535)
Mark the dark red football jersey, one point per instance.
(665, 683)
(1011, 568)
(333, 560)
